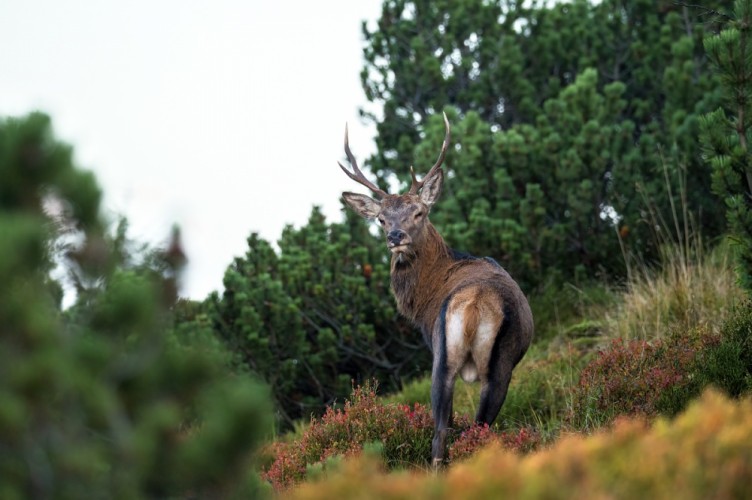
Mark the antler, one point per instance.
(416, 184)
(358, 176)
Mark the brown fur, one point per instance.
(421, 284)
(472, 320)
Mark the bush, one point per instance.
(405, 434)
(634, 376)
(735, 353)
(704, 453)
(478, 436)
(401, 433)
(662, 377)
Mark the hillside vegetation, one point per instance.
(577, 382)
(704, 453)
(600, 153)
(591, 141)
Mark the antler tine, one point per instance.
(356, 174)
(416, 184)
(412, 174)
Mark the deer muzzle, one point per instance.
(397, 239)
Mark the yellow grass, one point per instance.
(688, 289)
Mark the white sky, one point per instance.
(225, 117)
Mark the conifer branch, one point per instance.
(704, 9)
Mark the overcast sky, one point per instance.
(224, 117)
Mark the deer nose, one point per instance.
(395, 237)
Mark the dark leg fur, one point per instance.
(442, 389)
(492, 395)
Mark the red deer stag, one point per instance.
(473, 315)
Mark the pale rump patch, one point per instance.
(456, 346)
(473, 320)
(483, 344)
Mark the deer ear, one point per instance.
(364, 205)
(432, 188)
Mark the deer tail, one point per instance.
(472, 320)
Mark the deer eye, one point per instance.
(381, 221)
(419, 214)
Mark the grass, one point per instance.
(539, 394)
(684, 292)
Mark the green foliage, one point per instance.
(736, 353)
(106, 398)
(726, 131)
(563, 115)
(316, 315)
(724, 363)
(540, 394)
(34, 165)
(570, 312)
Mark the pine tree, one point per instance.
(316, 316)
(726, 131)
(108, 398)
(584, 110)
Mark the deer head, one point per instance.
(403, 217)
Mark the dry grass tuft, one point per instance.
(690, 289)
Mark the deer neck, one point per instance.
(414, 280)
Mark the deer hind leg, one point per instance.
(500, 360)
(493, 392)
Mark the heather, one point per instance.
(399, 434)
(705, 452)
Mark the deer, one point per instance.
(473, 316)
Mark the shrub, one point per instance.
(400, 433)
(478, 436)
(704, 453)
(404, 432)
(735, 353)
(471, 440)
(637, 377)
(661, 377)
(107, 398)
